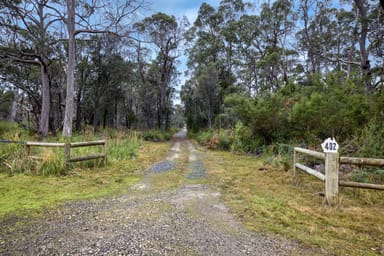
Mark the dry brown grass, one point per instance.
(267, 199)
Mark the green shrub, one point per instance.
(371, 140)
(281, 155)
(204, 137)
(6, 127)
(156, 135)
(244, 140)
(225, 140)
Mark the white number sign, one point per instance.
(330, 146)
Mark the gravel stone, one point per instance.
(162, 167)
(197, 170)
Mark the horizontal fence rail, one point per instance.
(361, 185)
(12, 142)
(85, 158)
(44, 144)
(361, 161)
(87, 143)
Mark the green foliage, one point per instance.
(6, 127)
(205, 136)
(325, 108)
(264, 117)
(368, 175)
(156, 135)
(13, 158)
(371, 140)
(332, 111)
(225, 140)
(244, 140)
(122, 149)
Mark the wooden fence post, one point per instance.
(27, 149)
(105, 152)
(294, 163)
(67, 153)
(331, 177)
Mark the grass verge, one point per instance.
(265, 199)
(23, 192)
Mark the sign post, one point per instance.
(330, 148)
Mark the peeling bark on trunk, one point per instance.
(45, 105)
(364, 54)
(68, 116)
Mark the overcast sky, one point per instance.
(180, 8)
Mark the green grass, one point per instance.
(23, 192)
(266, 199)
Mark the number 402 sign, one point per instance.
(330, 146)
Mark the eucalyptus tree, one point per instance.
(85, 17)
(6, 101)
(26, 27)
(343, 38)
(362, 30)
(101, 76)
(26, 80)
(206, 56)
(204, 37)
(230, 11)
(209, 91)
(163, 32)
(275, 24)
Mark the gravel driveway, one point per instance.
(188, 220)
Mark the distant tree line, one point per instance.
(286, 70)
(66, 64)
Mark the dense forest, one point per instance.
(288, 72)
(258, 73)
(75, 63)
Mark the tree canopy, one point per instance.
(280, 70)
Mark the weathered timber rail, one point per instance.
(68, 148)
(11, 142)
(331, 177)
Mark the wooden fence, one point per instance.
(331, 177)
(67, 149)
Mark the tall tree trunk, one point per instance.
(105, 118)
(96, 119)
(78, 109)
(45, 95)
(364, 54)
(116, 114)
(13, 115)
(167, 121)
(68, 116)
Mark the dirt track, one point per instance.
(188, 220)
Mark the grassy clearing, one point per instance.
(25, 191)
(265, 199)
